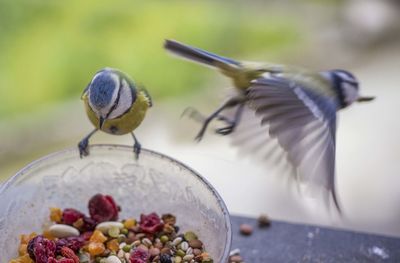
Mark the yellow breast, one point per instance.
(125, 123)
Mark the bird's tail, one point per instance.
(198, 55)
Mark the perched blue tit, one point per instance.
(296, 107)
(115, 105)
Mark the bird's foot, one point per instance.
(197, 116)
(200, 135)
(83, 147)
(137, 147)
(226, 130)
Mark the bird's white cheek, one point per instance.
(350, 93)
(125, 101)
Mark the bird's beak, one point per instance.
(101, 122)
(364, 99)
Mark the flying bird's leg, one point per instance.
(136, 146)
(193, 114)
(231, 123)
(227, 104)
(83, 145)
(199, 117)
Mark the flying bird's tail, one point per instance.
(199, 55)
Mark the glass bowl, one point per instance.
(154, 183)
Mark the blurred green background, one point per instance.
(49, 50)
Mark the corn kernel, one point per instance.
(96, 248)
(98, 237)
(22, 250)
(26, 259)
(205, 256)
(26, 238)
(129, 223)
(55, 214)
(48, 235)
(113, 245)
(22, 259)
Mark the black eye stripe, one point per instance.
(117, 99)
(337, 86)
(350, 82)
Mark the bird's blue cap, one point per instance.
(102, 89)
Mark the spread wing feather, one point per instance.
(285, 118)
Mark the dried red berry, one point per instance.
(70, 216)
(40, 249)
(150, 223)
(74, 243)
(103, 208)
(139, 256)
(62, 260)
(69, 253)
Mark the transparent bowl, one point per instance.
(154, 183)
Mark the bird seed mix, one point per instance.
(74, 237)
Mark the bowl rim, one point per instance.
(5, 185)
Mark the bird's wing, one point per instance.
(146, 94)
(286, 119)
(85, 92)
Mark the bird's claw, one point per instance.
(196, 115)
(83, 148)
(198, 138)
(225, 130)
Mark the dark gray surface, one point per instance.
(285, 242)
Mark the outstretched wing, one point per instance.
(303, 122)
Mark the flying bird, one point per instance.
(295, 106)
(114, 104)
